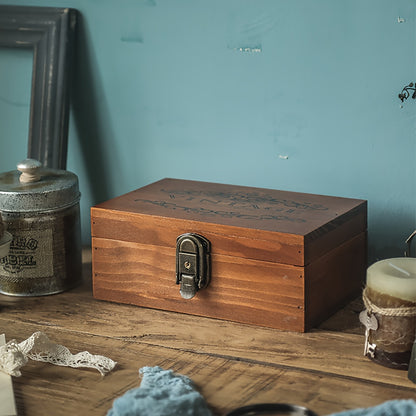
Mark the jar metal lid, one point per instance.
(53, 189)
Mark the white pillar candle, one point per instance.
(390, 296)
(394, 277)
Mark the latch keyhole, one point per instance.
(192, 264)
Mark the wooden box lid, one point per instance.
(263, 224)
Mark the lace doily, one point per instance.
(38, 347)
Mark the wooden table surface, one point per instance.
(231, 364)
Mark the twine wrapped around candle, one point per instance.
(400, 311)
(389, 318)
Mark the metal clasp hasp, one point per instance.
(192, 264)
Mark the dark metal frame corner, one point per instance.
(50, 32)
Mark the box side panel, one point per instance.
(232, 241)
(335, 233)
(246, 291)
(335, 279)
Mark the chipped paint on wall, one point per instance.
(132, 39)
(248, 49)
(247, 32)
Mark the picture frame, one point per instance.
(50, 32)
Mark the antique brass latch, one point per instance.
(192, 264)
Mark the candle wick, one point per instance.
(399, 269)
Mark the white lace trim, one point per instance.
(38, 347)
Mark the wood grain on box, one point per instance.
(279, 259)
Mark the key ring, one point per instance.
(277, 408)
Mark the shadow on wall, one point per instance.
(382, 232)
(91, 117)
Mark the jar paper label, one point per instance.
(30, 255)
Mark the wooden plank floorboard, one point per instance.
(231, 364)
(46, 389)
(77, 311)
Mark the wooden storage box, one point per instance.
(279, 259)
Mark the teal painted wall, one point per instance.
(297, 95)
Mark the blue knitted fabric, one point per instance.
(164, 393)
(391, 408)
(161, 393)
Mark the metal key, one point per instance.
(370, 322)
